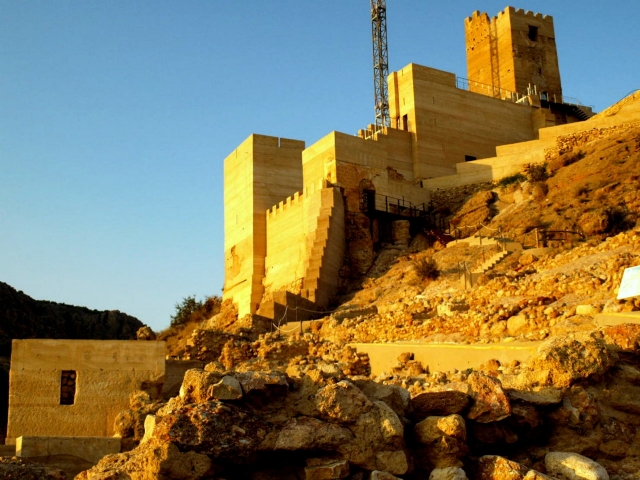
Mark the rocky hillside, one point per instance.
(269, 406)
(23, 317)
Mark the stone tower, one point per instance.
(512, 52)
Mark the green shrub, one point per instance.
(511, 180)
(426, 268)
(192, 310)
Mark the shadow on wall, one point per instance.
(4, 397)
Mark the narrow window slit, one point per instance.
(68, 387)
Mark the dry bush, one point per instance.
(536, 172)
(565, 159)
(426, 268)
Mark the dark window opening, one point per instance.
(533, 33)
(469, 158)
(68, 387)
(369, 201)
(405, 122)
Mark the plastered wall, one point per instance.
(108, 371)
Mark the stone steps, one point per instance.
(491, 262)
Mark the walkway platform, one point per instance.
(609, 319)
(444, 357)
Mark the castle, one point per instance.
(298, 218)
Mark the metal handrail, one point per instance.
(504, 94)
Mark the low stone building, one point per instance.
(75, 388)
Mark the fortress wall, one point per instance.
(286, 244)
(261, 172)
(319, 161)
(107, 372)
(451, 123)
(513, 50)
(478, 40)
(485, 170)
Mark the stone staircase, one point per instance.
(470, 278)
(491, 262)
(326, 251)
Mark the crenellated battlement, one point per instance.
(296, 199)
(478, 16)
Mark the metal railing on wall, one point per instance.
(503, 94)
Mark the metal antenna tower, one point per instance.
(380, 61)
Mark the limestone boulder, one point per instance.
(572, 466)
(263, 387)
(153, 460)
(490, 402)
(561, 361)
(449, 473)
(196, 385)
(220, 430)
(392, 461)
(494, 467)
(378, 441)
(442, 440)
(381, 475)
(342, 402)
(319, 469)
(438, 403)
(432, 429)
(396, 397)
(535, 475)
(307, 433)
(228, 388)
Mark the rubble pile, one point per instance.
(572, 408)
(305, 406)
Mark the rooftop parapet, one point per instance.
(296, 198)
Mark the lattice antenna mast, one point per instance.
(380, 61)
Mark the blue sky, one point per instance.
(116, 116)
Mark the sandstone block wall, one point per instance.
(107, 372)
(450, 124)
(513, 50)
(305, 244)
(290, 228)
(260, 173)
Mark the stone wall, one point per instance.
(260, 173)
(106, 373)
(512, 51)
(450, 125)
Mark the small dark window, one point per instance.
(533, 33)
(405, 122)
(469, 158)
(68, 387)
